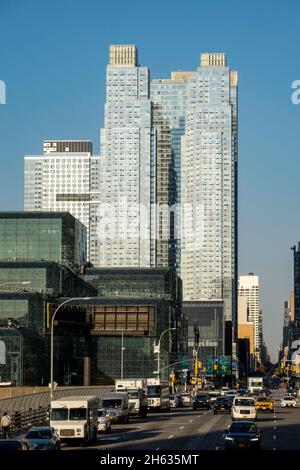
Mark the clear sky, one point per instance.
(53, 55)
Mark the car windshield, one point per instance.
(77, 414)
(201, 397)
(112, 403)
(288, 398)
(154, 391)
(42, 434)
(242, 428)
(171, 397)
(221, 400)
(101, 413)
(243, 402)
(133, 395)
(59, 414)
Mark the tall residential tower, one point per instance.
(249, 289)
(64, 179)
(209, 185)
(126, 218)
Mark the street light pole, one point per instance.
(51, 338)
(122, 355)
(158, 350)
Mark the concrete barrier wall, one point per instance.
(41, 399)
(10, 392)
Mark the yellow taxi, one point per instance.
(265, 404)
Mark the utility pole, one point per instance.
(196, 349)
(122, 355)
(157, 349)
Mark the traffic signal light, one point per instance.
(197, 367)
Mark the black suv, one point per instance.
(242, 435)
(202, 401)
(222, 405)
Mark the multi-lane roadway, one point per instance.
(184, 429)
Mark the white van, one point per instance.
(243, 408)
(75, 418)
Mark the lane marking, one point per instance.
(181, 427)
(170, 437)
(274, 428)
(157, 448)
(274, 437)
(191, 420)
(217, 448)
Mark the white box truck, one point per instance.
(137, 395)
(255, 385)
(75, 418)
(158, 394)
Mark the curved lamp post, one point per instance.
(51, 340)
(157, 349)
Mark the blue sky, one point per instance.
(53, 56)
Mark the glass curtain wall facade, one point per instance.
(134, 282)
(142, 303)
(23, 358)
(44, 277)
(23, 309)
(141, 321)
(127, 160)
(208, 319)
(169, 97)
(40, 236)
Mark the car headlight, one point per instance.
(228, 438)
(254, 439)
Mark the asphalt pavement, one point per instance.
(186, 429)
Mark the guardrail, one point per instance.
(37, 401)
(25, 419)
